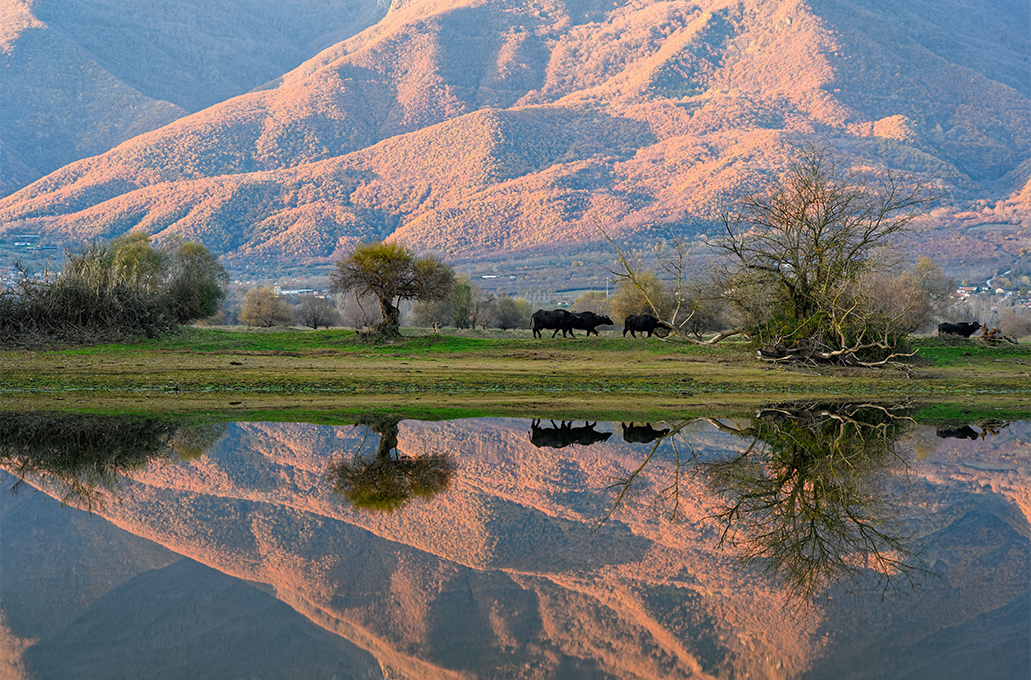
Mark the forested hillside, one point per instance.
(484, 127)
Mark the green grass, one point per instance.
(478, 373)
(953, 353)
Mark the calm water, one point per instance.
(808, 542)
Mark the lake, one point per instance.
(811, 541)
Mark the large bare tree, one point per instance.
(798, 249)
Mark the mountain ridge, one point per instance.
(695, 101)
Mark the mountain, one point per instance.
(79, 77)
(498, 126)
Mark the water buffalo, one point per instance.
(589, 321)
(642, 434)
(559, 319)
(966, 329)
(644, 323)
(560, 436)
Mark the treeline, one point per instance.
(467, 306)
(113, 291)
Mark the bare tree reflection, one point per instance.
(669, 496)
(391, 479)
(805, 499)
(83, 459)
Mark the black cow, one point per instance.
(644, 323)
(642, 434)
(560, 436)
(559, 319)
(966, 329)
(589, 321)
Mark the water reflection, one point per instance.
(806, 498)
(564, 434)
(972, 431)
(84, 459)
(501, 575)
(642, 434)
(390, 479)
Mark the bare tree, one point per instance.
(641, 291)
(801, 245)
(314, 311)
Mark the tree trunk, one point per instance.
(391, 323)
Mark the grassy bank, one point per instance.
(322, 372)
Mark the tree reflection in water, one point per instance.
(83, 459)
(391, 479)
(806, 498)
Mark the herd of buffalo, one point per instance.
(562, 320)
(565, 321)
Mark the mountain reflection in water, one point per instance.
(495, 561)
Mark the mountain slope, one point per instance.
(80, 76)
(478, 127)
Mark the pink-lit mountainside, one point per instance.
(486, 127)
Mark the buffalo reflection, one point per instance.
(391, 479)
(805, 499)
(977, 431)
(564, 434)
(82, 459)
(642, 434)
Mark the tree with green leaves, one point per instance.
(196, 282)
(390, 272)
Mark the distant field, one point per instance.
(485, 373)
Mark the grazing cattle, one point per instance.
(964, 432)
(642, 434)
(589, 321)
(559, 319)
(966, 329)
(560, 436)
(645, 323)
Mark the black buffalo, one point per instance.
(560, 436)
(589, 321)
(966, 329)
(644, 323)
(642, 434)
(559, 319)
